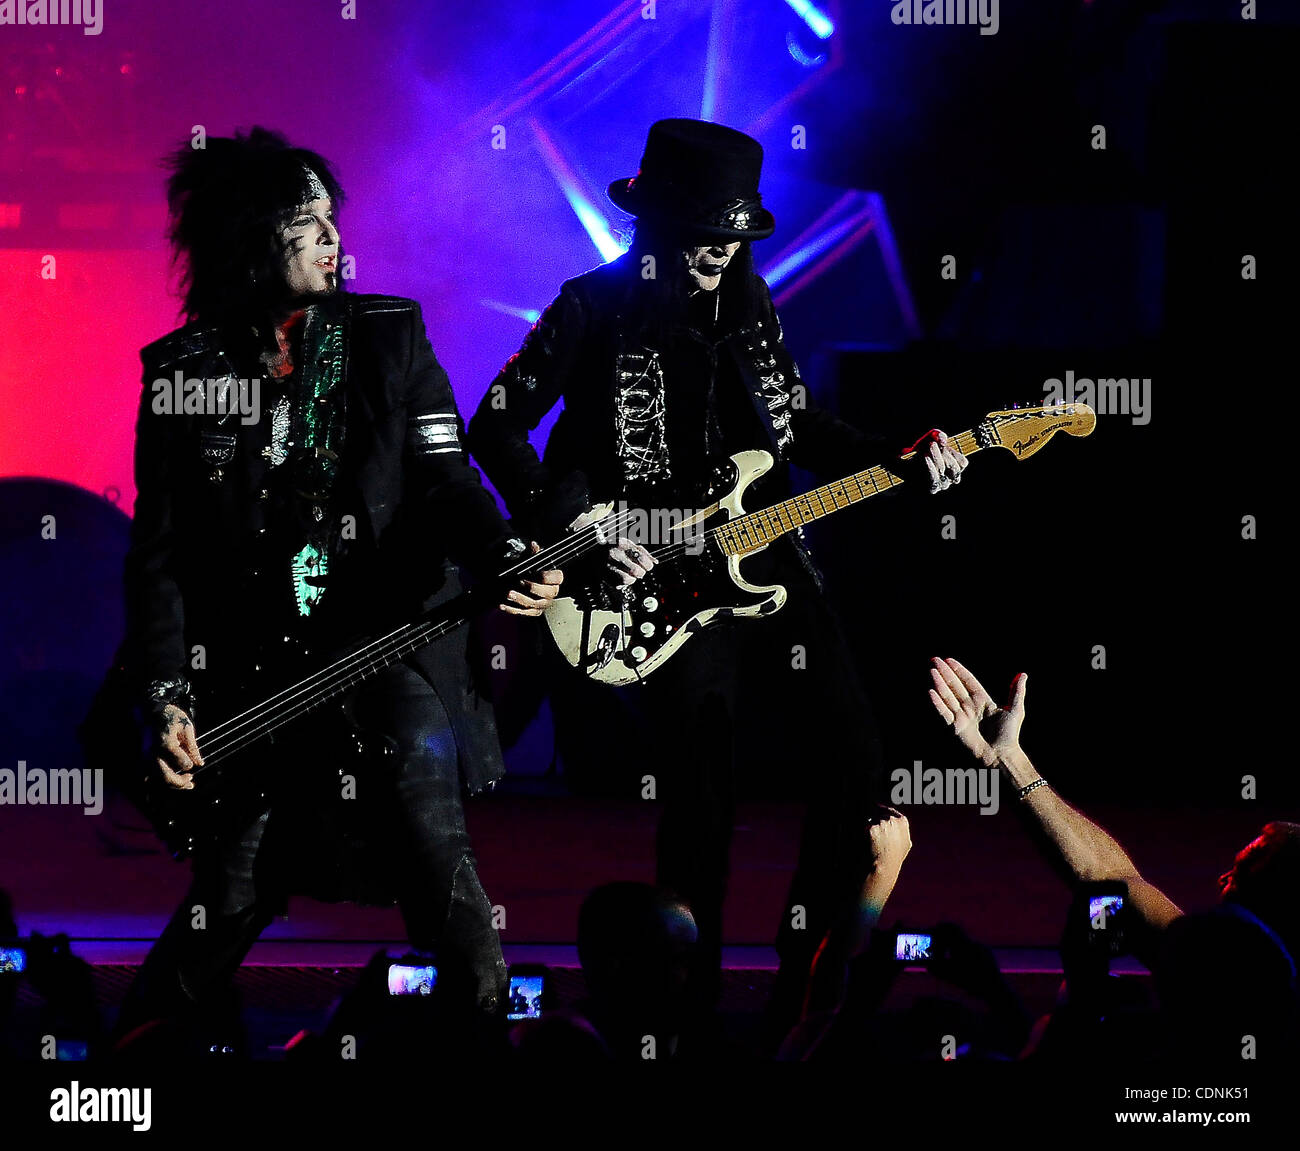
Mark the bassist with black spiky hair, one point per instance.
(344, 505)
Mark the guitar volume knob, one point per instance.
(639, 653)
(647, 629)
(649, 603)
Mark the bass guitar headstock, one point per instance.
(1023, 431)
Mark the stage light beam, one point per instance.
(595, 223)
(814, 17)
(528, 315)
(811, 251)
(588, 214)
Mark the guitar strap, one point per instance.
(769, 392)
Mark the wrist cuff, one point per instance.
(176, 691)
(1024, 791)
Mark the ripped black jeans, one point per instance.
(242, 882)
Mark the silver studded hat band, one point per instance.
(699, 178)
(738, 214)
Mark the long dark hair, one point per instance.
(657, 304)
(225, 202)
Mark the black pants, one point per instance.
(241, 882)
(809, 681)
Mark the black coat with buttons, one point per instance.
(583, 351)
(197, 607)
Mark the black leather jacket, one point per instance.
(582, 351)
(201, 511)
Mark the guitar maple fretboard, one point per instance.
(749, 532)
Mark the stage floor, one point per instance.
(105, 882)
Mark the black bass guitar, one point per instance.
(264, 706)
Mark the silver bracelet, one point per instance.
(178, 691)
(1024, 791)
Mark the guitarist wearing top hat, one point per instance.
(668, 359)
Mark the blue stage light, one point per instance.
(819, 245)
(596, 225)
(799, 56)
(588, 214)
(528, 315)
(814, 17)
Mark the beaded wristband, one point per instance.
(1024, 791)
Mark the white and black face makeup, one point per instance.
(309, 245)
(705, 265)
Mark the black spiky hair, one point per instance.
(225, 202)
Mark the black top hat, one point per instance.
(700, 177)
